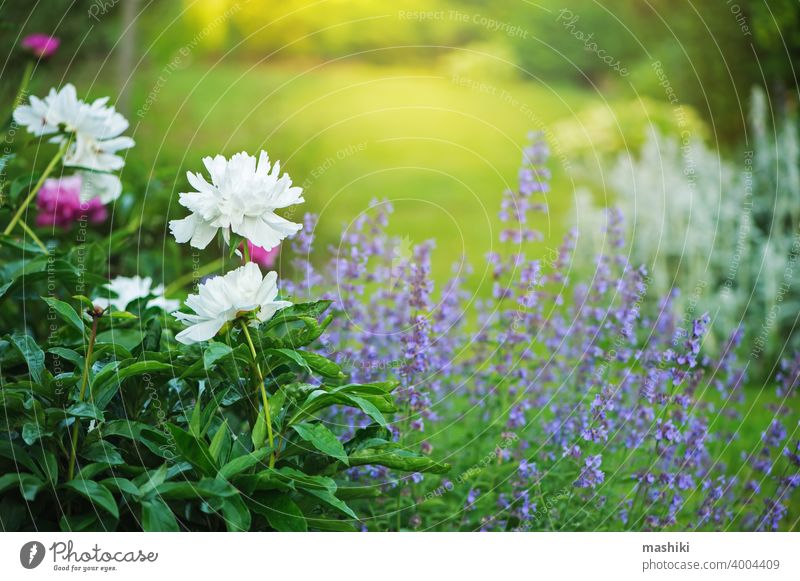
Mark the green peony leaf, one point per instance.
(107, 382)
(329, 499)
(193, 451)
(392, 456)
(244, 462)
(322, 439)
(85, 409)
(96, 494)
(140, 433)
(322, 365)
(259, 435)
(214, 352)
(289, 355)
(33, 432)
(281, 512)
(157, 516)
(67, 313)
(32, 353)
(205, 488)
(313, 309)
(220, 443)
(236, 514)
(128, 338)
(102, 451)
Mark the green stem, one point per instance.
(84, 383)
(641, 492)
(33, 236)
(406, 426)
(245, 252)
(267, 416)
(23, 86)
(62, 150)
(543, 500)
(199, 273)
(653, 457)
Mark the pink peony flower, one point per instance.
(59, 204)
(265, 258)
(41, 45)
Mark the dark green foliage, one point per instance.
(169, 437)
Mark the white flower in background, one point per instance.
(94, 130)
(128, 289)
(222, 299)
(97, 155)
(105, 187)
(241, 198)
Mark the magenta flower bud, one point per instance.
(265, 258)
(60, 205)
(41, 45)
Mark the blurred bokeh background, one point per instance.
(655, 106)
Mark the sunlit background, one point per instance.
(428, 104)
(681, 113)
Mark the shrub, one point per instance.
(725, 235)
(116, 417)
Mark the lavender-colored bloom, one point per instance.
(591, 374)
(667, 431)
(472, 498)
(789, 376)
(591, 475)
(774, 435)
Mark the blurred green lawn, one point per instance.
(442, 148)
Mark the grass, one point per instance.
(441, 148)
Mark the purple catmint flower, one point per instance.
(527, 469)
(472, 498)
(586, 372)
(789, 376)
(667, 431)
(591, 475)
(774, 435)
(773, 515)
(793, 453)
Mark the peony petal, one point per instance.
(268, 311)
(281, 225)
(259, 233)
(198, 182)
(216, 167)
(203, 234)
(200, 332)
(183, 230)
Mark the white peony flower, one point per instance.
(241, 198)
(95, 130)
(97, 155)
(128, 289)
(222, 299)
